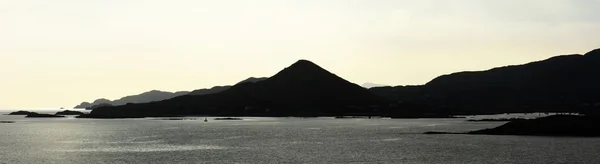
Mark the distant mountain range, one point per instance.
(303, 89)
(567, 83)
(561, 83)
(150, 96)
(156, 95)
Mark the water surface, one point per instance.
(277, 140)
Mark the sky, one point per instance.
(62, 52)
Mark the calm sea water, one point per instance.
(277, 140)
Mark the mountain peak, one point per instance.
(303, 69)
(304, 63)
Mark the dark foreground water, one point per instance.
(277, 140)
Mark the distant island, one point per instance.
(21, 112)
(39, 115)
(29, 114)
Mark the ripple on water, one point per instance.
(144, 148)
(111, 142)
(391, 139)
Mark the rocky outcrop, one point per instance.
(558, 125)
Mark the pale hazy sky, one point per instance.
(62, 52)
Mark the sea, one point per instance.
(277, 140)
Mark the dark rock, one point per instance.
(69, 112)
(557, 125)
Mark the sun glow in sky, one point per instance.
(62, 52)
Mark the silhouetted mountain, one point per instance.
(557, 84)
(253, 80)
(154, 95)
(99, 105)
(69, 112)
(303, 89)
(145, 97)
(83, 105)
(101, 101)
(218, 89)
(86, 105)
(212, 90)
(372, 85)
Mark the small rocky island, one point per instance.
(39, 115)
(557, 125)
(21, 112)
(69, 112)
(29, 114)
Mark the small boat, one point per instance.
(205, 119)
